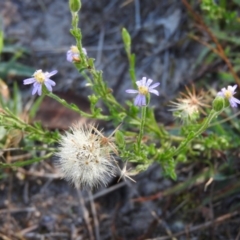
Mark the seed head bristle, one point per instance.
(190, 104)
(107, 140)
(83, 159)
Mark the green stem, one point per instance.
(29, 148)
(132, 72)
(74, 20)
(201, 129)
(76, 32)
(75, 108)
(27, 162)
(27, 127)
(107, 98)
(143, 119)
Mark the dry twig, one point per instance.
(218, 220)
(85, 214)
(94, 214)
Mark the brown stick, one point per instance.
(201, 226)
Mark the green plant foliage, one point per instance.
(140, 139)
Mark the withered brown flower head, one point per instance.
(189, 106)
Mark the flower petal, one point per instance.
(232, 89)
(69, 56)
(149, 81)
(40, 89)
(131, 91)
(137, 100)
(29, 81)
(154, 91)
(234, 101)
(51, 82)
(35, 87)
(84, 51)
(140, 100)
(144, 80)
(48, 75)
(154, 85)
(139, 83)
(221, 94)
(143, 100)
(48, 86)
(223, 90)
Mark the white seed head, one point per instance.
(83, 160)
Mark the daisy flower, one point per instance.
(143, 89)
(39, 78)
(73, 54)
(228, 94)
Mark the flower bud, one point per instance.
(126, 39)
(74, 5)
(219, 103)
(93, 99)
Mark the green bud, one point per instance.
(126, 39)
(74, 5)
(219, 103)
(152, 149)
(93, 99)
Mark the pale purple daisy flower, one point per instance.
(73, 54)
(143, 89)
(39, 78)
(228, 94)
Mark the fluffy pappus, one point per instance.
(83, 159)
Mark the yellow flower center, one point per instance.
(74, 49)
(39, 76)
(143, 90)
(228, 94)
